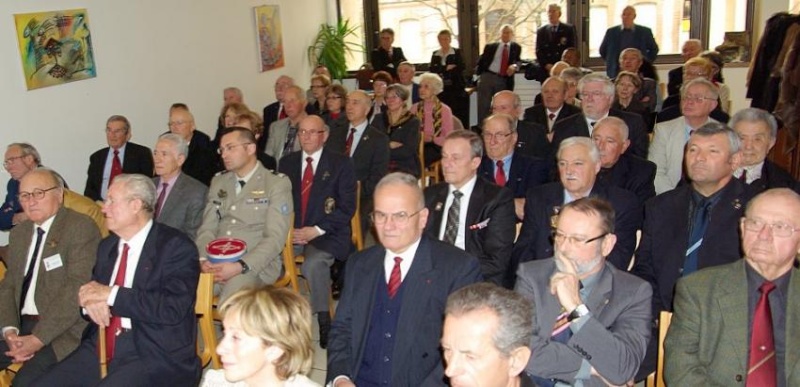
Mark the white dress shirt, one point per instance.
(466, 190)
(135, 246)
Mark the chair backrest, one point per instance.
(204, 309)
(290, 271)
(457, 124)
(355, 222)
(664, 319)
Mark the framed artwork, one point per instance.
(55, 47)
(735, 47)
(269, 37)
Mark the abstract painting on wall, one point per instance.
(55, 47)
(270, 37)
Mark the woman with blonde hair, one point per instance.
(267, 340)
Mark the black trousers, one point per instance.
(38, 365)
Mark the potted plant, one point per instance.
(331, 46)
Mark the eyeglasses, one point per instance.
(594, 94)
(560, 238)
(304, 132)
(496, 136)
(115, 131)
(37, 194)
(11, 160)
(780, 230)
(230, 147)
(697, 98)
(398, 218)
(696, 73)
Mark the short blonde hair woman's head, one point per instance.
(279, 317)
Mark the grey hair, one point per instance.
(615, 122)
(27, 150)
(475, 142)
(517, 100)
(586, 142)
(514, 313)
(235, 90)
(573, 74)
(434, 80)
(713, 128)
(633, 50)
(125, 123)
(57, 179)
(402, 178)
(139, 187)
(755, 115)
(181, 145)
(508, 119)
(712, 88)
(608, 87)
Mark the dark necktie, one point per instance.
(451, 227)
(743, 177)
(394, 278)
(504, 61)
(116, 167)
(115, 325)
(699, 225)
(762, 367)
(26, 282)
(348, 144)
(500, 174)
(308, 181)
(288, 146)
(551, 116)
(160, 201)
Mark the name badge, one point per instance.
(257, 201)
(52, 262)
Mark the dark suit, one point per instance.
(382, 62)
(675, 80)
(371, 156)
(486, 58)
(405, 158)
(74, 237)
(538, 113)
(163, 329)
(138, 159)
(11, 205)
(576, 125)
(183, 208)
(453, 94)
(201, 162)
(532, 139)
(524, 174)
(773, 176)
(534, 241)
(492, 242)
(633, 174)
(551, 44)
(491, 82)
(612, 46)
(438, 269)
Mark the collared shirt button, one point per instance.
(233, 221)
(386, 359)
(387, 335)
(228, 233)
(233, 208)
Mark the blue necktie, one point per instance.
(699, 226)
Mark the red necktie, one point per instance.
(282, 113)
(551, 116)
(116, 167)
(504, 61)
(349, 143)
(308, 180)
(115, 325)
(500, 174)
(394, 278)
(762, 367)
(160, 201)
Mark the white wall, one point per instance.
(149, 54)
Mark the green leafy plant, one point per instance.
(331, 47)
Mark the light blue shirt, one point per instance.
(107, 167)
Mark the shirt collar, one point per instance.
(247, 176)
(315, 155)
(466, 189)
(46, 224)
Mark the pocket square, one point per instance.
(480, 225)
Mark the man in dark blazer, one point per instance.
(409, 276)
(627, 35)
(758, 130)
(133, 157)
(552, 39)
(274, 111)
(201, 162)
(487, 231)
(531, 137)
(496, 71)
(553, 107)
(20, 158)
(619, 169)
(578, 164)
(37, 297)
(283, 133)
(180, 197)
(597, 96)
(405, 77)
(385, 57)
(592, 320)
(150, 338)
(690, 49)
(326, 182)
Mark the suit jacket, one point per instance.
(773, 176)
(371, 157)
(201, 162)
(453, 79)
(279, 130)
(576, 125)
(538, 113)
(633, 174)
(532, 139)
(524, 174)
(74, 237)
(675, 80)
(611, 46)
(382, 62)
(164, 328)
(10, 206)
(270, 115)
(485, 60)
(666, 151)
(406, 157)
(550, 45)
(438, 269)
(534, 241)
(492, 243)
(613, 339)
(665, 237)
(331, 203)
(707, 342)
(259, 215)
(138, 159)
(183, 208)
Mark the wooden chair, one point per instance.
(7, 375)
(430, 174)
(355, 221)
(204, 309)
(656, 379)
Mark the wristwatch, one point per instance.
(580, 311)
(245, 267)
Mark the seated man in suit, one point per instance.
(741, 328)
(37, 297)
(531, 136)
(486, 336)
(690, 49)
(389, 319)
(553, 106)
(142, 291)
(693, 226)
(758, 131)
(120, 156)
(695, 68)
(20, 158)
(669, 138)
(405, 78)
(469, 212)
(507, 167)
(631, 59)
(578, 165)
(597, 95)
(274, 111)
(283, 133)
(385, 57)
(181, 198)
(201, 161)
(250, 203)
(592, 320)
(622, 170)
(324, 193)
(496, 68)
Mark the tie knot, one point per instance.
(39, 231)
(116, 152)
(458, 194)
(397, 260)
(551, 116)
(500, 164)
(309, 160)
(164, 186)
(766, 287)
(242, 183)
(125, 248)
(591, 123)
(352, 130)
